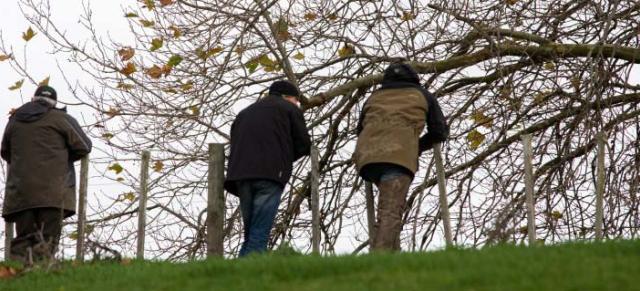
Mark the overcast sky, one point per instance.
(41, 61)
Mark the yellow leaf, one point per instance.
(129, 196)
(17, 85)
(215, 50)
(345, 51)
(149, 4)
(481, 119)
(73, 235)
(5, 57)
(170, 90)
(157, 166)
(129, 69)
(28, 35)
(117, 168)
(176, 31)
(131, 15)
(511, 2)
(550, 66)
(186, 86)
(282, 29)
(332, 17)
(166, 2)
(407, 16)
(126, 53)
(44, 82)
(264, 60)
(124, 86)
(154, 72)
(113, 112)
(556, 215)
(156, 44)
(240, 49)
(202, 54)
(299, 56)
(310, 16)
(195, 110)
(107, 135)
(119, 179)
(475, 139)
(166, 70)
(252, 66)
(147, 23)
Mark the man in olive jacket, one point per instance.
(389, 144)
(40, 144)
(266, 138)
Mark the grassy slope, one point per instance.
(607, 266)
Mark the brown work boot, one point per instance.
(391, 204)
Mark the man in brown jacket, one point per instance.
(389, 144)
(40, 144)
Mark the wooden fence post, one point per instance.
(8, 236)
(82, 207)
(215, 203)
(142, 206)
(528, 184)
(444, 203)
(371, 212)
(600, 186)
(315, 200)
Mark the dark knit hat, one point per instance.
(400, 73)
(284, 88)
(46, 92)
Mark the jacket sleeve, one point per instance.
(437, 128)
(78, 142)
(6, 142)
(300, 134)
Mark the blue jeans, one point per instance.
(259, 200)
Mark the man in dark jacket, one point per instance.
(266, 138)
(389, 144)
(40, 144)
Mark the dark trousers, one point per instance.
(393, 187)
(259, 200)
(37, 234)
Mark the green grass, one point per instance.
(600, 266)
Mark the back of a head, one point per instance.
(400, 73)
(45, 91)
(284, 88)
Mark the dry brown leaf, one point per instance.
(166, 2)
(310, 16)
(129, 69)
(126, 53)
(7, 272)
(154, 72)
(28, 35)
(44, 82)
(157, 166)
